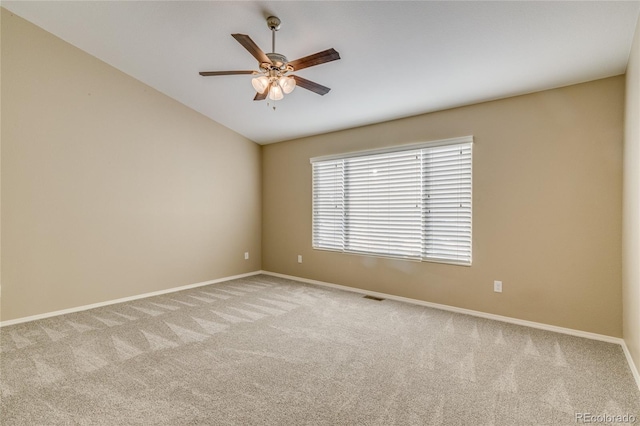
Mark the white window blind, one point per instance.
(382, 204)
(328, 205)
(412, 202)
(446, 203)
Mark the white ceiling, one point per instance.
(398, 58)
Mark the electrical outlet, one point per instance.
(497, 286)
(246, 255)
(299, 258)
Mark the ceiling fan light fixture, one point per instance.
(275, 92)
(260, 83)
(271, 80)
(287, 84)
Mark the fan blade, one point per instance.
(261, 96)
(315, 59)
(253, 48)
(209, 73)
(310, 85)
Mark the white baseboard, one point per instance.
(532, 324)
(632, 365)
(124, 299)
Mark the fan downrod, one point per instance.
(278, 60)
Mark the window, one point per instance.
(410, 202)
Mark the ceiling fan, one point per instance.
(274, 77)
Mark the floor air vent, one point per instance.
(377, 299)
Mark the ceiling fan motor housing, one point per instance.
(277, 60)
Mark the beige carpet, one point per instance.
(264, 350)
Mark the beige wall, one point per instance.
(631, 206)
(110, 188)
(546, 208)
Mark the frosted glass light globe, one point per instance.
(287, 84)
(260, 83)
(275, 92)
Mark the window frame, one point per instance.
(391, 149)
